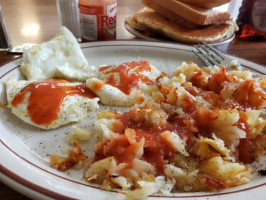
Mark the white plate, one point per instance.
(24, 149)
(157, 38)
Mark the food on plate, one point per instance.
(206, 3)
(44, 100)
(121, 85)
(125, 84)
(197, 130)
(50, 103)
(60, 57)
(148, 18)
(192, 13)
(182, 21)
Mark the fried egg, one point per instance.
(125, 84)
(60, 57)
(110, 95)
(51, 103)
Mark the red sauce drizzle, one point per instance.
(213, 182)
(215, 83)
(46, 98)
(247, 150)
(204, 118)
(219, 80)
(97, 85)
(190, 104)
(197, 79)
(129, 74)
(230, 105)
(217, 101)
(249, 95)
(156, 151)
(242, 122)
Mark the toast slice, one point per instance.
(147, 19)
(170, 15)
(197, 15)
(206, 3)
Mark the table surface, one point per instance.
(36, 21)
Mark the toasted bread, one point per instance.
(207, 3)
(197, 15)
(154, 22)
(162, 11)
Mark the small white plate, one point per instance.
(25, 149)
(158, 38)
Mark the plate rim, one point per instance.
(141, 43)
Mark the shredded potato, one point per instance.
(194, 131)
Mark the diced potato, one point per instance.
(122, 182)
(142, 166)
(252, 116)
(146, 188)
(107, 114)
(176, 142)
(187, 69)
(207, 147)
(184, 162)
(80, 134)
(242, 74)
(185, 181)
(233, 173)
(98, 171)
(226, 118)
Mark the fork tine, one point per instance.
(204, 54)
(207, 63)
(211, 56)
(214, 50)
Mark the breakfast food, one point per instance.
(168, 14)
(206, 3)
(196, 131)
(49, 103)
(192, 13)
(147, 18)
(182, 21)
(44, 100)
(60, 57)
(125, 84)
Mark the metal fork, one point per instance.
(211, 56)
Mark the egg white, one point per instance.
(113, 96)
(73, 109)
(60, 57)
(110, 95)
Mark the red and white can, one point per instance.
(98, 19)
